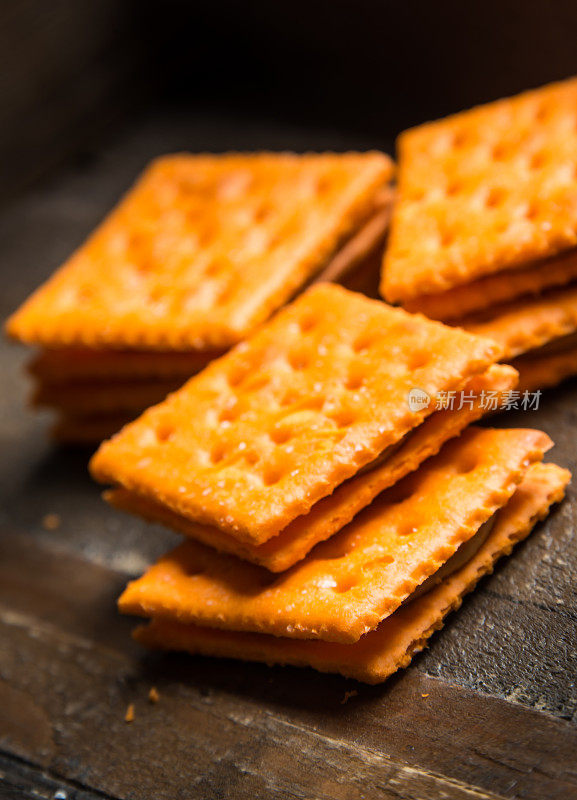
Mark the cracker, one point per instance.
(485, 190)
(269, 429)
(351, 582)
(495, 289)
(203, 249)
(398, 638)
(543, 371)
(103, 397)
(76, 364)
(89, 429)
(333, 512)
(528, 324)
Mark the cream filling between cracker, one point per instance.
(464, 553)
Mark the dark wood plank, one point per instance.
(68, 672)
(20, 780)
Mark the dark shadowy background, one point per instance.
(355, 71)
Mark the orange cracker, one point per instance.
(495, 289)
(485, 190)
(76, 364)
(541, 371)
(349, 583)
(390, 647)
(528, 324)
(89, 429)
(103, 397)
(265, 432)
(203, 249)
(333, 512)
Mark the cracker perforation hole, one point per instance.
(307, 323)
(418, 359)
(500, 152)
(467, 464)
(251, 458)
(538, 160)
(271, 475)
(447, 238)
(460, 139)
(407, 529)
(346, 583)
(229, 414)
(298, 359)
(355, 381)
(343, 418)
(237, 374)
(164, 432)
(379, 561)
(363, 343)
(495, 197)
(217, 453)
(454, 187)
(280, 435)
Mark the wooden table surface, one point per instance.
(488, 711)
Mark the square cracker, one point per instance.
(482, 191)
(528, 323)
(265, 432)
(398, 638)
(203, 249)
(332, 513)
(492, 290)
(351, 582)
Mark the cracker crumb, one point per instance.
(129, 716)
(424, 695)
(348, 696)
(153, 695)
(50, 522)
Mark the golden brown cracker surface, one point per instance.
(265, 432)
(482, 191)
(203, 249)
(333, 512)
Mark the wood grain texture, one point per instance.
(499, 718)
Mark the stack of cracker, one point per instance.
(484, 232)
(329, 523)
(199, 253)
